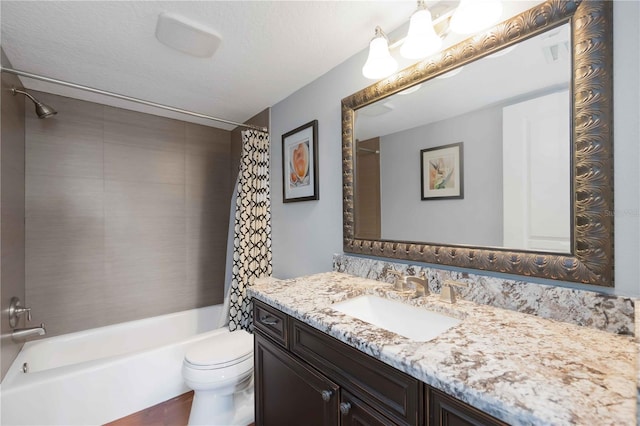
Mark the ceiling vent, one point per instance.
(187, 36)
(555, 52)
(555, 46)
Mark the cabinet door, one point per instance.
(288, 392)
(356, 413)
(445, 410)
(393, 393)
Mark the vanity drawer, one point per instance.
(271, 322)
(396, 394)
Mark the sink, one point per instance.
(409, 321)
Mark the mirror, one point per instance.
(516, 145)
(494, 154)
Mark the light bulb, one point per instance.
(379, 64)
(422, 39)
(475, 15)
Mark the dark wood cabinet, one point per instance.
(445, 410)
(288, 392)
(355, 412)
(390, 391)
(272, 322)
(306, 377)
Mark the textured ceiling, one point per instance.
(269, 48)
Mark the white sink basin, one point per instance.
(409, 321)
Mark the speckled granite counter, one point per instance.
(522, 369)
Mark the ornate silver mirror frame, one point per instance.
(591, 258)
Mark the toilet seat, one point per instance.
(219, 369)
(220, 351)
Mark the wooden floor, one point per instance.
(174, 412)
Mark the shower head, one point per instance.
(42, 110)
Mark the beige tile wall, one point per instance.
(11, 210)
(126, 215)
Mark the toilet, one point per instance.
(220, 371)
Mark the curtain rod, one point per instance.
(127, 98)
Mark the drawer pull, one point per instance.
(326, 395)
(269, 320)
(345, 407)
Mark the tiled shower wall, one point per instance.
(11, 209)
(126, 215)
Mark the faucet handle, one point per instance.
(400, 280)
(21, 311)
(16, 310)
(447, 294)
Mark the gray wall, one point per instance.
(306, 234)
(474, 220)
(126, 215)
(11, 209)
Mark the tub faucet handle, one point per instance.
(21, 311)
(16, 310)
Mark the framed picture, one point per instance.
(441, 170)
(300, 163)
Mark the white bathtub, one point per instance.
(100, 375)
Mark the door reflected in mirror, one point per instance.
(512, 112)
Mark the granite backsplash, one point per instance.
(605, 312)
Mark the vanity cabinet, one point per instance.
(355, 412)
(289, 392)
(304, 376)
(445, 410)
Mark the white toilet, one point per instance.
(220, 371)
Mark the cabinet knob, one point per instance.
(345, 407)
(326, 395)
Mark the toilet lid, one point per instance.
(221, 350)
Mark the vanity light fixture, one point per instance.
(380, 63)
(421, 40)
(472, 16)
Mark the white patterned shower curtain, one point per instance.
(252, 234)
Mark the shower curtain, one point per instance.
(252, 233)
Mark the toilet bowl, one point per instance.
(220, 371)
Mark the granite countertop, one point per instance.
(520, 368)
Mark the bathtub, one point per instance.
(100, 375)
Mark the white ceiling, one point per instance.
(269, 49)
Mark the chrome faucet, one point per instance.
(20, 334)
(447, 294)
(16, 310)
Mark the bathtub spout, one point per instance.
(20, 334)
